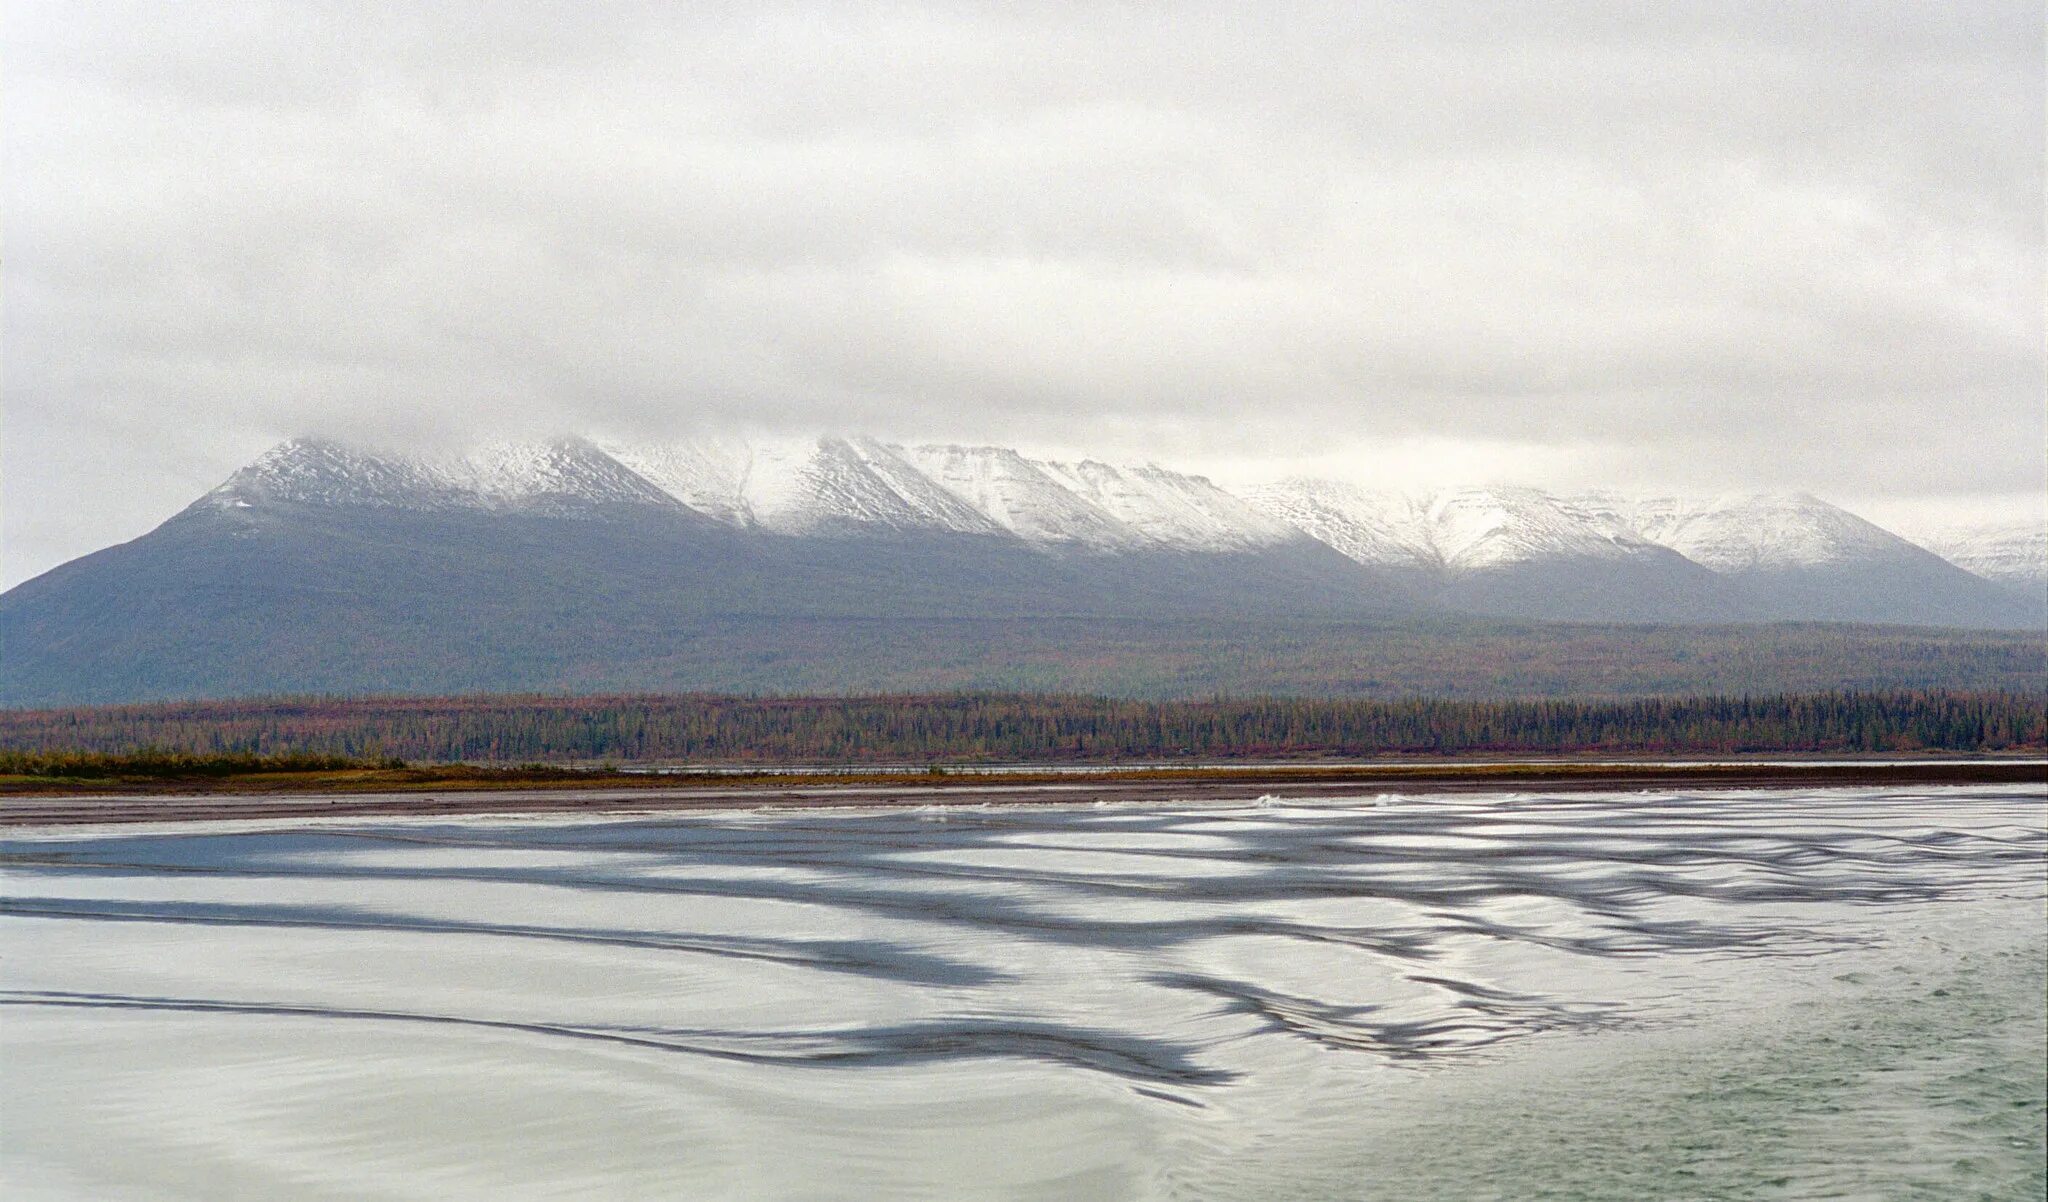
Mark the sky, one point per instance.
(1663, 246)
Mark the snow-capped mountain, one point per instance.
(825, 486)
(1453, 530)
(1527, 553)
(856, 485)
(559, 476)
(1748, 532)
(1373, 528)
(1795, 556)
(1026, 498)
(853, 485)
(709, 475)
(574, 563)
(1519, 552)
(2010, 553)
(1187, 513)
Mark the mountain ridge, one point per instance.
(1507, 551)
(851, 483)
(847, 563)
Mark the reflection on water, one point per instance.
(1692, 994)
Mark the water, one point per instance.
(1683, 995)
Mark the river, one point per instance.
(1692, 994)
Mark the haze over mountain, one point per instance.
(569, 562)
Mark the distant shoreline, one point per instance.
(473, 792)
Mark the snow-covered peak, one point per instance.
(1474, 529)
(812, 486)
(568, 471)
(865, 486)
(564, 475)
(859, 483)
(314, 471)
(2013, 553)
(718, 477)
(1171, 509)
(1453, 530)
(1024, 497)
(1745, 532)
(858, 487)
(1372, 527)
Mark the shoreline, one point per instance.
(457, 796)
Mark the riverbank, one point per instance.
(463, 790)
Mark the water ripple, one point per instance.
(961, 969)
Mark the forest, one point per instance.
(1018, 728)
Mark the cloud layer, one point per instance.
(1710, 245)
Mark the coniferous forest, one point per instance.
(1001, 728)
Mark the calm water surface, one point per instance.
(1680, 995)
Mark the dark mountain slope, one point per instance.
(341, 600)
(354, 598)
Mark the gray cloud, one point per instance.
(1707, 245)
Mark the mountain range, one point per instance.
(1512, 552)
(584, 563)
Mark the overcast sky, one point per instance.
(1695, 245)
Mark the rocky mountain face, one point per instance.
(517, 559)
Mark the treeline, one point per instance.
(969, 728)
(165, 764)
